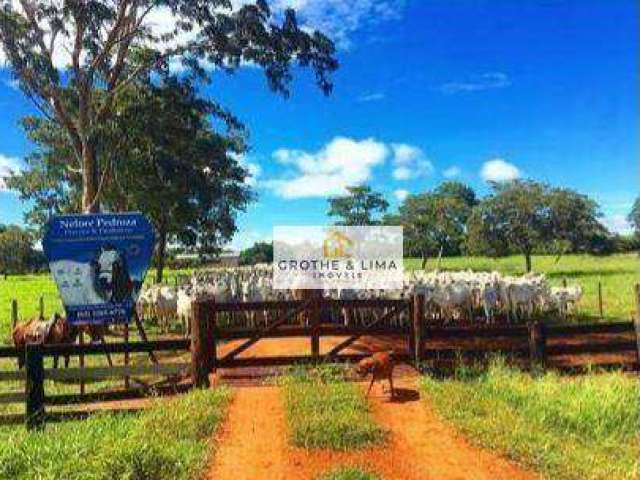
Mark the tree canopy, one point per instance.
(164, 159)
(17, 253)
(74, 59)
(435, 223)
(523, 216)
(360, 206)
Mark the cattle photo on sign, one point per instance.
(319, 240)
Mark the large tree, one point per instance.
(359, 206)
(73, 59)
(166, 161)
(524, 216)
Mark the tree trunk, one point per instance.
(527, 257)
(161, 252)
(90, 180)
(424, 260)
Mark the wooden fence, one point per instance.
(535, 342)
(34, 374)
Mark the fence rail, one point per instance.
(34, 373)
(534, 342)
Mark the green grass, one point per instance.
(584, 427)
(325, 411)
(170, 440)
(348, 473)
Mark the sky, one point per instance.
(429, 91)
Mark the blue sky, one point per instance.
(428, 90)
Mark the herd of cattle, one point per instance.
(449, 296)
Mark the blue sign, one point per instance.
(99, 262)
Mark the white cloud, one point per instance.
(254, 169)
(499, 170)
(409, 162)
(342, 162)
(8, 166)
(401, 194)
(477, 83)
(340, 19)
(371, 97)
(618, 224)
(451, 172)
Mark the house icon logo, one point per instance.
(336, 245)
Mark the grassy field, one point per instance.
(580, 428)
(325, 411)
(617, 273)
(170, 440)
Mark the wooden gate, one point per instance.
(206, 334)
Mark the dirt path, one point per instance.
(253, 443)
(430, 448)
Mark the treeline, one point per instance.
(518, 217)
(18, 253)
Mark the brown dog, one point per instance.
(380, 365)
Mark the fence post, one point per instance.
(41, 307)
(600, 299)
(202, 345)
(81, 360)
(127, 382)
(34, 386)
(418, 318)
(537, 344)
(14, 313)
(636, 320)
(212, 328)
(412, 347)
(314, 321)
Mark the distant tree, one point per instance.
(524, 216)
(358, 207)
(459, 191)
(634, 216)
(73, 59)
(574, 223)
(434, 223)
(259, 252)
(17, 254)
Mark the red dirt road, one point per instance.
(253, 442)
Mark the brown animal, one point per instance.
(56, 331)
(380, 365)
